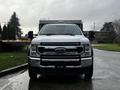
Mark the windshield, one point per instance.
(58, 29)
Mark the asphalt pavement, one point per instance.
(106, 77)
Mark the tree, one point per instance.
(116, 25)
(0, 32)
(108, 27)
(14, 27)
(4, 33)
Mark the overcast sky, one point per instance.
(31, 11)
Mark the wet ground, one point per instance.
(106, 77)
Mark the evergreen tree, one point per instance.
(4, 33)
(0, 32)
(9, 33)
(13, 26)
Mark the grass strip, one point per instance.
(11, 59)
(108, 47)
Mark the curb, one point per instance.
(13, 69)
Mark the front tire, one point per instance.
(89, 73)
(32, 75)
(89, 70)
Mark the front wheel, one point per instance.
(89, 72)
(32, 75)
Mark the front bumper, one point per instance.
(36, 67)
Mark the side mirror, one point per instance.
(30, 35)
(91, 35)
(86, 34)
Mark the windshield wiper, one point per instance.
(69, 34)
(58, 34)
(47, 34)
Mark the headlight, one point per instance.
(87, 50)
(86, 47)
(33, 47)
(33, 50)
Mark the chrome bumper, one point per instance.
(36, 62)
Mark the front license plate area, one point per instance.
(61, 63)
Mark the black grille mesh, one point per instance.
(60, 43)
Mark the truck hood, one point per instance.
(60, 38)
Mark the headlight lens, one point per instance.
(87, 47)
(33, 47)
(33, 51)
(87, 50)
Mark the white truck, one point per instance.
(60, 48)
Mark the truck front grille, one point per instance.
(62, 51)
(60, 43)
